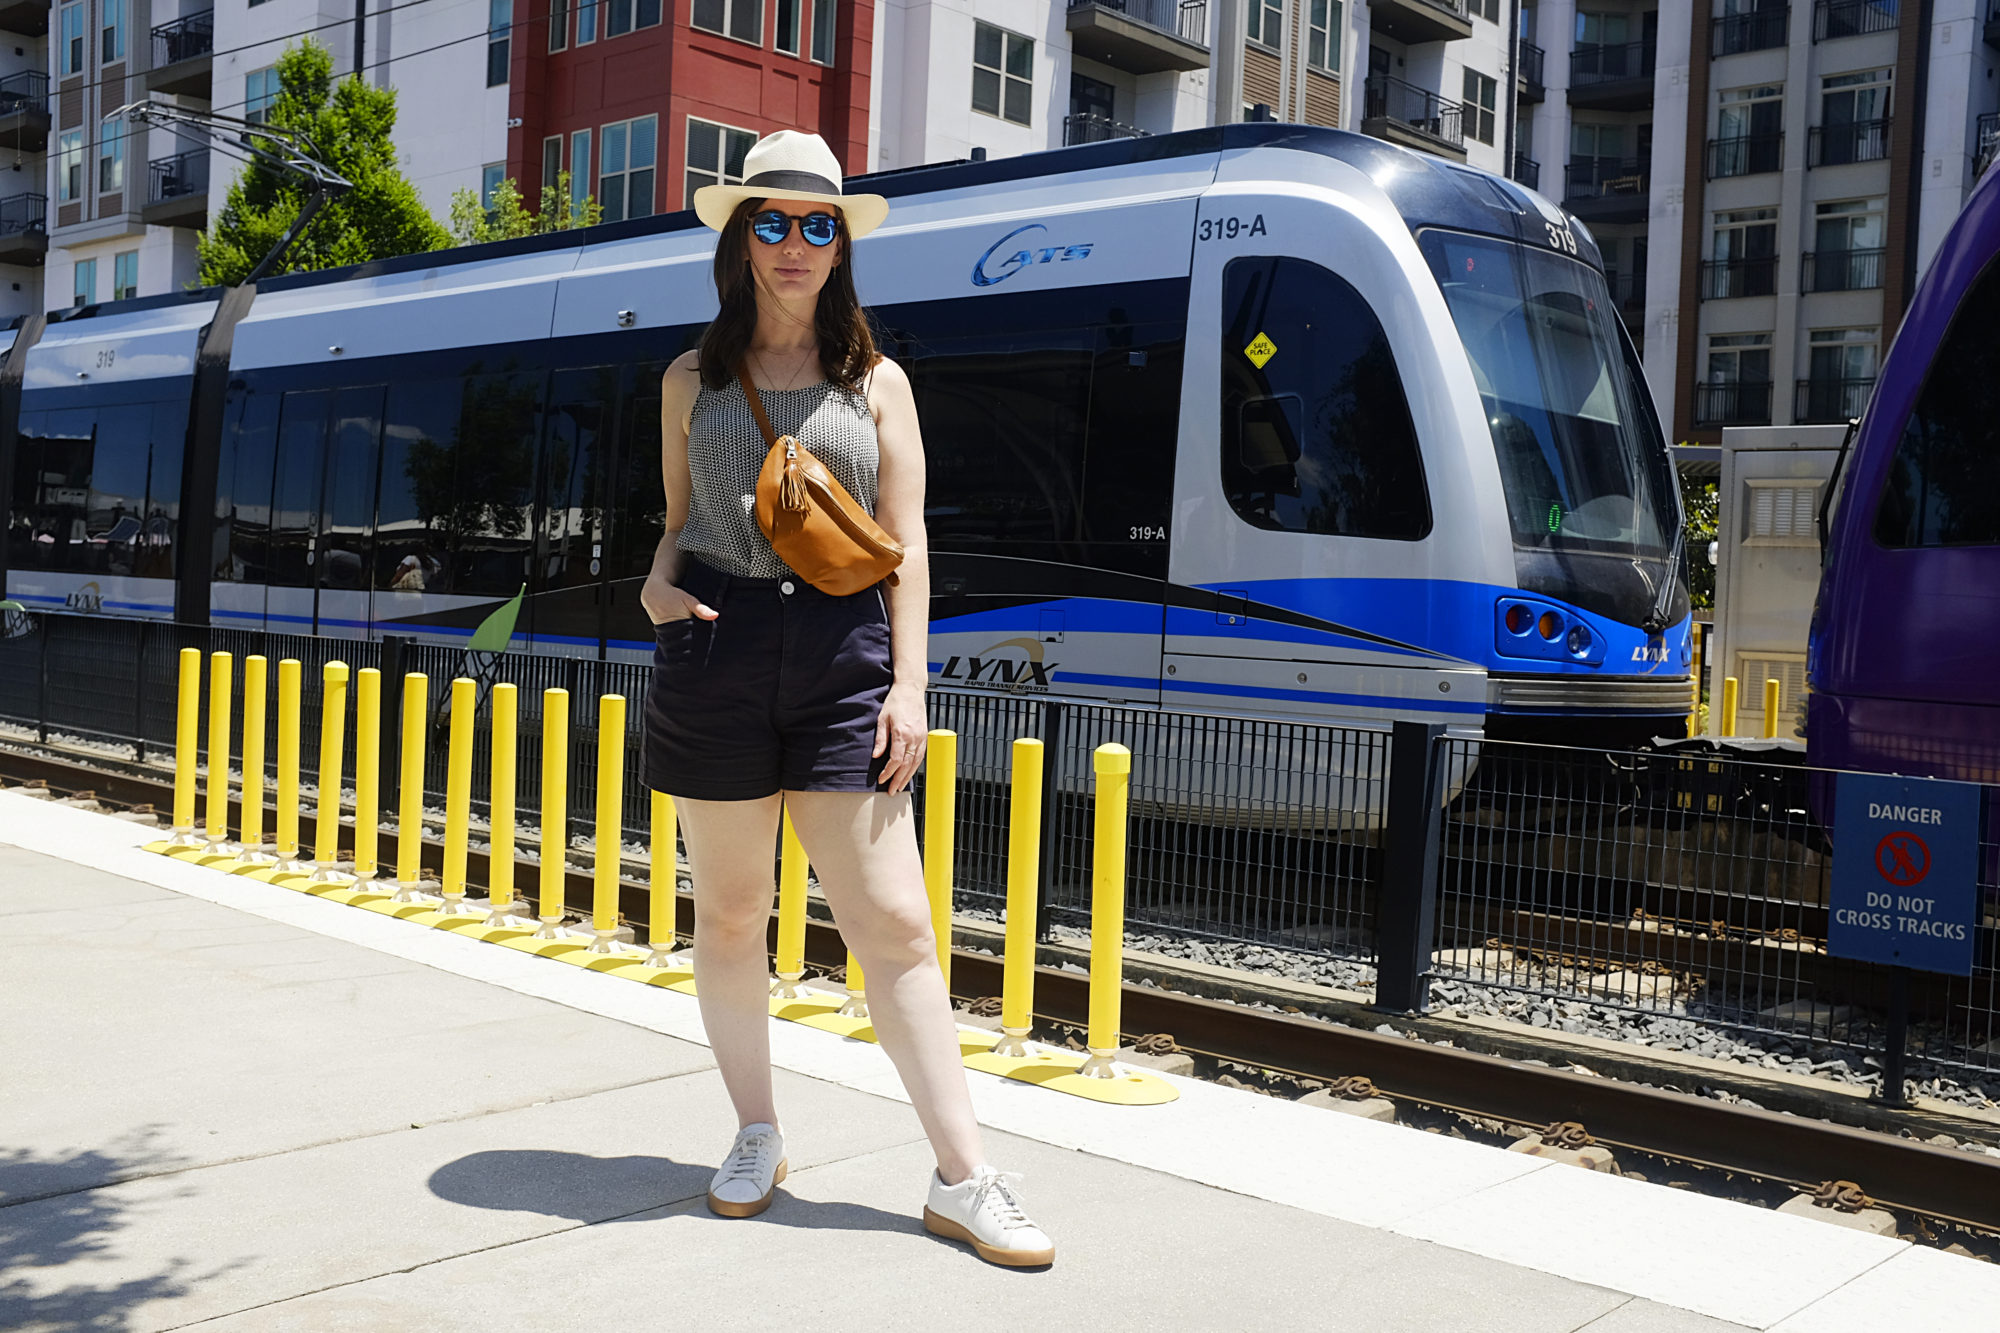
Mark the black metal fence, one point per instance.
(1830, 401)
(1386, 97)
(1088, 127)
(1840, 270)
(1594, 177)
(184, 38)
(1838, 145)
(1725, 278)
(1602, 62)
(1737, 403)
(1853, 18)
(181, 174)
(1745, 155)
(1185, 19)
(1688, 883)
(1527, 171)
(1761, 30)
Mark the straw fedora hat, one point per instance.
(791, 164)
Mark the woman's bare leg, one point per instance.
(731, 848)
(863, 847)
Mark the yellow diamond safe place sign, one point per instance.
(1260, 350)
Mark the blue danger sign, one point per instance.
(1905, 872)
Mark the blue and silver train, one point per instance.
(1262, 420)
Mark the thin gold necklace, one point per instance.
(765, 366)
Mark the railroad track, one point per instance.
(1928, 1182)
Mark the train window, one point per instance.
(641, 507)
(24, 506)
(243, 490)
(571, 493)
(295, 493)
(168, 428)
(1128, 480)
(1944, 482)
(485, 515)
(354, 429)
(412, 515)
(116, 516)
(1318, 437)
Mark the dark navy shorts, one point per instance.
(780, 693)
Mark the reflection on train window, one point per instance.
(243, 489)
(354, 429)
(1576, 454)
(570, 503)
(641, 507)
(485, 514)
(1943, 487)
(1319, 438)
(295, 492)
(97, 491)
(419, 436)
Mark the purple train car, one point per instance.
(1904, 654)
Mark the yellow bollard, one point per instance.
(219, 679)
(458, 795)
(790, 964)
(940, 833)
(500, 804)
(857, 989)
(1729, 705)
(610, 824)
(187, 737)
(332, 730)
(1773, 697)
(555, 809)
(254, 667)
(1107, 908)
(663, 909)
(286, 821)
(1694, 703)
(1024, 856)
(410, 812)
(367, 770)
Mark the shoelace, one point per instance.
(998, 1193)
(746, 1158)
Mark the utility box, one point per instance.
(1767, 567)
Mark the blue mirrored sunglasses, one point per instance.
(773, 225)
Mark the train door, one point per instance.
(323, 512)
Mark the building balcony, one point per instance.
(1992, 33)
(30, 18)
(1744, 403)
(182, 51)
(1723, 279)
(1745, 155)
(1734, 34)
(1528, 73)
(1986, 142)
(1526, 171)
(1840, 270)
(1402, 113)
(24, 111)
(1141, 36)
(1830, 402)
(1852, 18)
(24, 229)
(1607, 189)
(1416, 21)
(177, 195)
(1628, 294)
(1087, 128)
(1836, 145)
(1612, 78)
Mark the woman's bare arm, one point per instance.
(899, 508)
(662, 596)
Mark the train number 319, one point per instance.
(1561, 238)
(1228, 229)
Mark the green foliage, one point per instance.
(349, 123)
(509, 217)
(1698, 498)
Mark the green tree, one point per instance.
(349, 124)
(1698, 498)
(509, 217)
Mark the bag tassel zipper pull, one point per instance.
(792, 484)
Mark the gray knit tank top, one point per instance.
(726, 452)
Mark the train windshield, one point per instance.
(1580, 456)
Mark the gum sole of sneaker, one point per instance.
(942, 1226)
(725, 1208)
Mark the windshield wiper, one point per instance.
(1663, 591)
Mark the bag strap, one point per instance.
(756, 402)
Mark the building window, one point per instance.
(1267, 22)
(586, 22)
(125, 275)
(623, 16)
(741, 19)
(1003, 74)
(786, 39)
(1748, 133)
(1853, 118)
(559, 24)
(490, 177)
(1737, 389)
(579, 170)
(499, 26)
(714, 156)
(260, 90)
(1323, 35)
(1840, 373)
(111, 159)
(111, 37)
(1479, 102)
(1744, 246)
(551, 161)
(69, 168)
(822, 37)
(1847, 246)
(72, 39)
(628, 154)
(84, 288)
(1486, 9)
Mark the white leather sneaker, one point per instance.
(747, 1178)
(985, 1209)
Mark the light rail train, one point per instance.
(1262, 420)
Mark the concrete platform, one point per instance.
(232, 1106)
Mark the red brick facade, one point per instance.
(675, 71)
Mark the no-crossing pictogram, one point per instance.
(1903, 858)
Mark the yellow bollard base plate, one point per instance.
(1056, 1071)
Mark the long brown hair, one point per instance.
(846, 344)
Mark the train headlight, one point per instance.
(1519, 619)
(1551, 626)
(1579, 642)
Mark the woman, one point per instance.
(770, 694)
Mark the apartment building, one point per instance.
(24, 136)
(1441, 76)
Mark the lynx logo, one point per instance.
(1029, 672)
(1650, 652)
(89, 597)
(1020, 259)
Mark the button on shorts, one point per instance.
(781, 692)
